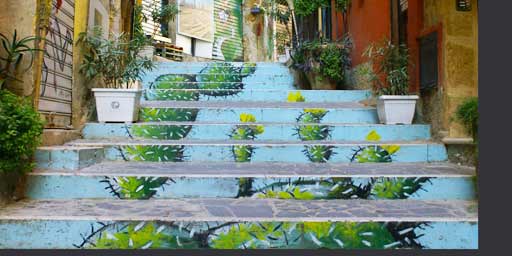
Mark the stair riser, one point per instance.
(92, 187)
(272, 132)
(64, 234)
(270, 153)
(365, 116)
(68, 159)
(263, 95)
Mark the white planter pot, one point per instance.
(396, 109)
(117, 105)
(147, 52)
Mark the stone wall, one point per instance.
(459, 65)
(258, 35)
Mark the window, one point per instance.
(429, 61)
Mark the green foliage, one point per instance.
(20, 131)
(312, 131)
(163, 14)
(141, 236)
(161, 132)
(467, 114)
(332, 60)
(289, 193)
(165, 88)
(154, 153)
(307, 7)
(342, 5)
(392, 63)
(374, 153)
(243, 153)
(397, 188)
(13, 52)
(328, 59)
(223, 79)
(168, 114)
(116, 59)
(250, 236)
(135, 187)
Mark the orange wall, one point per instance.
(369, 21)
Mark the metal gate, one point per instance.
(57, 74)
(228, 44)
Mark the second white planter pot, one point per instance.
(396, 109)
(117, 105)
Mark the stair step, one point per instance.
(226, 223)
(345, 112)
(268, 151)
(260, 95)
(68, 157)
(272, 131)
(422, 181)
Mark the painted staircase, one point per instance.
(230, 155)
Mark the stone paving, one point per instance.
(243, 210)
(269, 170)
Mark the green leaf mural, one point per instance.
(313, 131)
(243, 153)
(374, 153)
(154, 153)
(160, 132)
(139, 235)
(223, 79)
(135, 187)
(162, 88)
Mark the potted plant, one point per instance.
(117, 62)
(395, 105)
(159, 15)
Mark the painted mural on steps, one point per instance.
(267, 235)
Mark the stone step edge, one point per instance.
(241, 210)
(266, 170)
(273, 143)
(254, 104)
(204, 123)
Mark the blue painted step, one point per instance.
(256, 95)
(272, 131)
(179, 111)
(227, 224)
(268, 151)
(267, 180)
(64, 157)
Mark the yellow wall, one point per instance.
(459, 76)
(19, 15)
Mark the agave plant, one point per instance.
(14, 52)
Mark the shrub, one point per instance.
(467, 114)
(20, 131)
(392, 63)
(329, 59)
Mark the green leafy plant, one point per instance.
(20, 131)
(467, 114)
(326, 58)
(13, 52)
(163, 14)
(342, 5)
(223, 79)
(116, 59)
(307, 7)
(135, 188)
(391, 62)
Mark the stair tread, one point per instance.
(127, 141)
(199, 123)
(267, 170)
(242, 210)
(252, 104)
